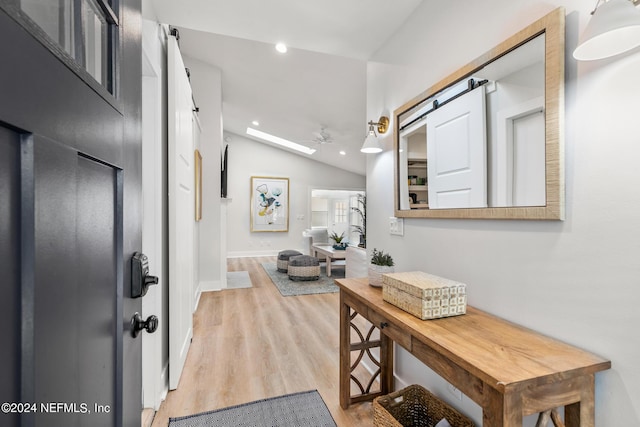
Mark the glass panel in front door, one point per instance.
(79, 27)
(56, 18)
(95, 41)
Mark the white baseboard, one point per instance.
(211, 285)
(399, 382)
(164, 380)
(196, 297)
(251, 254)
(368, 365)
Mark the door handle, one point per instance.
(138, 324)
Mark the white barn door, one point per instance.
(181, 212)
(457, 153)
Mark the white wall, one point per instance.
(576, 280)
(206, 83)
(155, 347)
(250, 158)
(197, 232)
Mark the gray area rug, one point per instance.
(306, 409)
(238, 280)
(288, 288)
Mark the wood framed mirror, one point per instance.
(488, 140)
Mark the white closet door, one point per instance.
(457, 153)
(520, 155)
(181, 212)
(529, 161)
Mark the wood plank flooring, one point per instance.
(251, 344)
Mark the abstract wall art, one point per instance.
(269, 204)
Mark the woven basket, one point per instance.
(415, 406)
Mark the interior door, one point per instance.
(457, 153)
(339, 218)
(181, 212)
(520, 155)
(69, 186)
(528, 160)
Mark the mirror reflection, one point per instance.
(480, 142)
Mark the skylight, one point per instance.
(280, 141)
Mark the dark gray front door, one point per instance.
(69, 218)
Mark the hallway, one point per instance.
(251, 344)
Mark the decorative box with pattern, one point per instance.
(425, 295)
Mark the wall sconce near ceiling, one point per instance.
(371, 143)
(614, 28)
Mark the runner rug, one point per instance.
(306, 409)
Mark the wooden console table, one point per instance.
(509, 370)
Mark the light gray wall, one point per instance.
(206, 83)
(249, 158)
(576, 280)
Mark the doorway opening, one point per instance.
(333, 210)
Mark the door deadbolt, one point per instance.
(140, 277)
(138, 324)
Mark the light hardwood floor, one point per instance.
(251, 344)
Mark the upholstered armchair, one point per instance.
(315, 236)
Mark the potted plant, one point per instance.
(381, 263)
(338, 239)
(361, 210)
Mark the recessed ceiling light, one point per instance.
(255, 123)
(281, 47)
(280, 141)
(344, 153)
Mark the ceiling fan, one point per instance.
(322, 137)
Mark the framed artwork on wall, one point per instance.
(269, 203)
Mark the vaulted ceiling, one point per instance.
(315, 91)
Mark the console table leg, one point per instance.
(502, 410)
(386, 364)
(345, 355)
(582, 413)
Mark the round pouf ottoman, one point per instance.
(283, 259)
(304, 267)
